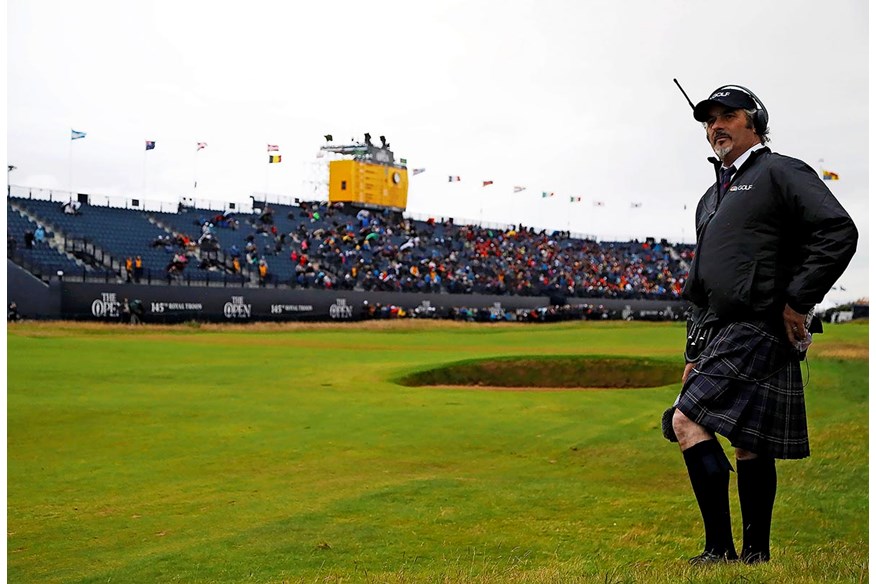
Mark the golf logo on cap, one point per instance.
(720, 94)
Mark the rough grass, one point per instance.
(278, 453)
(477, 569)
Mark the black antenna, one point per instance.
(683, 93)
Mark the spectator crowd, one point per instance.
(330, 248)
(323, 246)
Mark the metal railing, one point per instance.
(126, 202)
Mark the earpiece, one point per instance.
(761, 116)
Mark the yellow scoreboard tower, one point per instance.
(370, 179)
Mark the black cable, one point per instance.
(808, 373)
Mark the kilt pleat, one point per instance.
(747, 386)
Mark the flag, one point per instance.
(272, 158)
(273, 148)
(419, 171)
(150, 144)
(828, 175)
(574, 199)
(74, 135)
(202, 145)
(597, 203)
(518, 189)
(404, 161)
(328, 137)
(545, 195)
(487, 183)
(453, 179)
(635, 205)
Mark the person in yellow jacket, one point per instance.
(138, 268)
(263, 272)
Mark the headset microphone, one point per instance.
(683, 93)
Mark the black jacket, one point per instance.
(778, 236)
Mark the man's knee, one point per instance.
(742, 454)
(681, 423)
(687, 431)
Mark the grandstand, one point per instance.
(339, 248)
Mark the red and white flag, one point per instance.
(487, 183)
(202, 145)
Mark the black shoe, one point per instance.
(755, 557)
(708, 557)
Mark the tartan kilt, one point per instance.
(746, 385)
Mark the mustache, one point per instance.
(719, 134)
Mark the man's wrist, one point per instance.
(798, 308)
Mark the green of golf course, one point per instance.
(302, 453)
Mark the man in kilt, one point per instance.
(771, 241)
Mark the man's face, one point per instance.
(729, 133)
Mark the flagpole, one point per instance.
(684, 209)
(596, 221)
(70, 174)
(514, 221)
(143, 196)
(195, 176)
(569, 218)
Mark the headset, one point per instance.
(761, 117)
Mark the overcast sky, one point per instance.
(570, 97)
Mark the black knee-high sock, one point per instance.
(757, 493)
(709, 472)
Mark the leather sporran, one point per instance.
(666, 423)
(698, 336)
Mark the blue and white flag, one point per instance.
(74, 135)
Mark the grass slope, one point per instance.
(287, 453)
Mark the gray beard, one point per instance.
(722, 152)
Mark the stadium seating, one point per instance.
(42, 258)
(120, 233)
(317, 245)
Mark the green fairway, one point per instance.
(272, 453)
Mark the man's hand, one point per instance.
(795, 325)
(687, 369)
